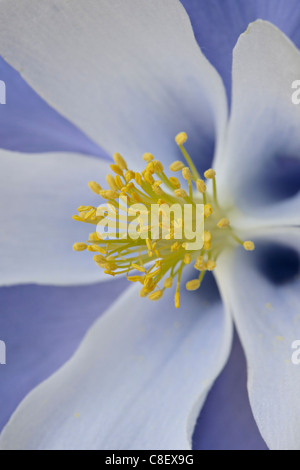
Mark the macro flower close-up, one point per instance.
(125, 340)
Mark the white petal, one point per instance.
(39, 193)
(264, 126)
(267, 318)
(137, 381)
(130, 74)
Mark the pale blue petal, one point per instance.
(39, 194)
(217, 25)
(226, 421)
(260, 166)
(131, 80)
(29, 124)
(42, 327)
(264, 290)
(137, 381)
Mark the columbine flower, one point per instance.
(143, 372)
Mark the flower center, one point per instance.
(157, 262)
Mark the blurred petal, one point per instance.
(226, 421)
(263, 148)
(123, 387)
(217, 25)
(42, 327)
(38, 196)
(29, 124)
(265, 305)
(131, 80)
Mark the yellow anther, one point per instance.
(138, 179)
(201, 186)
(136, 197)
(168, 283)
(129, 175)
(119, 160)
(158, 166)
(90, 214)
(207, 246)
(177, 166)
(96, 248)
(187, 258)
(157, 189)
(193, 285)
(208, 210)
(136, 279)
(186, 173)
(181, 138)
(149, 284)
(143, 292)
(148, 157)
(154, 273)
(249, 246)
(84, 208)
(156, 295)
(150, 167)
(116, 169)
(111, 182)
(99, 259)
(119, 182)
(200, 259)
(207, 236)
(77, 218)
(180, 193)
(175, 247)
(174, 182)
(79, 246)
(94, 237)
(200, 264)
(210, 174)
(223, 223)
(95, 187)
(148, 177)
(177, 300)
(109, 194)
(139, 268)
(210, 265)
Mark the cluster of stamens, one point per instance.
(157, 264)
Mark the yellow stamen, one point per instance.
(180, 193)
(176, 166)
(111, 182)
(168, 283)
(201, 186)
(79, 246)
(156, 295)
(148, 157)
(193, 285)
(223, 223)
(95, 187)
(174, 182)
(187, 259)
(186, 173)
(249, 246)
(120, 162)
(181, 138)
(208, 210)
(210, 174)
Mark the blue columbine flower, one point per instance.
(131, 75)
